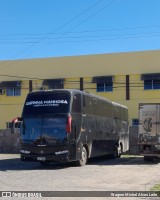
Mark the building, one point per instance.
(127, 78)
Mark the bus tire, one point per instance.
(117, 152)
(82, 162)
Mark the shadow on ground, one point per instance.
(7, 163)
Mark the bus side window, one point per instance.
(76, 103)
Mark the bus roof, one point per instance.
(78, 91)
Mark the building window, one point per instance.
(151, 81)
(13, 91)
(53, 83)
(151, 84)
(104, 87)
(135, 122)
(13, 88)
(104, 83)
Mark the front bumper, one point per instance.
(45, 158)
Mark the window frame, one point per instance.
(13, 91)
(152, 84)
(105, 87)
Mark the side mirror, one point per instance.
(15, 124)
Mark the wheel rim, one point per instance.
(84, 155)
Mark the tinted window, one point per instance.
(46, 103)
(105, 87)
(151, 84)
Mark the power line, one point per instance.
(108, 4)
(76, 38)
(122, 84)
(23, 77)
(82, 36)
(65, 33)
(54, 31)
(77, 16)
(84, 31)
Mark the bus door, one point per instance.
(75, 136)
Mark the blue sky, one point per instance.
(54, 28)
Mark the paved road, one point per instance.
(124, 174)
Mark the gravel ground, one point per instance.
(101, 174)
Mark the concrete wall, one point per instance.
(9, 143)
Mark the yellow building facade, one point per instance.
(127, 78)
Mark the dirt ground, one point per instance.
(128, 174)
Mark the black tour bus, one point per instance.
(67, 125)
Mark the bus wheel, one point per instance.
(83, 159)
(117, 152)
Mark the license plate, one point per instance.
(41, 158)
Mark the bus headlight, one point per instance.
(25, 151)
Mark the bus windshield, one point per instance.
(46, 103)
(51, 129)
